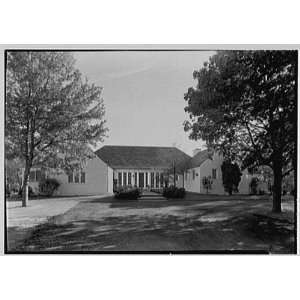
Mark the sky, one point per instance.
(143, 94)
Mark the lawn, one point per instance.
(202, 224)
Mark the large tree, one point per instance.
(52, 114)
(245, 105)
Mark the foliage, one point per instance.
(52, 114)
(30, 192)
(48, 186)
(173, 192)
(12, 174)
(207, 183)
(245, 106)
(231, 176)
(127, 194)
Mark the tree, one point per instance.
(52, 114)
(231, 176)
(245, 106)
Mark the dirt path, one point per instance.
(108, 225)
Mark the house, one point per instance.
(204, 164)
(143, 167)
(115, 166)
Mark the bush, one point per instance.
(48, 186)
(173, 192)
(30, 191)
(127, 194)
(253, 186)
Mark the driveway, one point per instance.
(218, 224)
(22, 220)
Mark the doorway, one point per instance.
(141, 180)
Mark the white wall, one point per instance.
(206, 170)
(110, 179)
(190, 184)
(96, 180)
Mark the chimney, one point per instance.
(196, 151)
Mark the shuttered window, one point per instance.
(70, 177)
(82, 177)
(76, 177)
(214, 173)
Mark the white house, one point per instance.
(143, 167)
(115, 166)
(205, 164)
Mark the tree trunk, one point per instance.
(277, 187)
(25, 185)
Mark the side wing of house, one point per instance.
(92, 180)
(95, 179)
(212, 168)
(192, 180)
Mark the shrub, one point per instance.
(173, 192)
(231, 176)
(253, 186)
(48, 186)
(30, 191)
(127, 194)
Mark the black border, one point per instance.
(6, 251)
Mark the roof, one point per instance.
(199, 159)
(141, 157)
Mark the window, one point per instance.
(82, 177)
(124, 178)
(214, 173)
(176, 177)
(70, 177)
(161, 179)
(135, 179)
(157, 180)
(120, 178)
(129, 178)
(38, 175)
(32, 176)
(194, 174)
(146, 179)
(76, 177)
(152, 179)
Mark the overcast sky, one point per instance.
(143, 94)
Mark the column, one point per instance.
(137, 178)
(149, 180)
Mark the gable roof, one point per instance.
(199, 159)
(140, 156)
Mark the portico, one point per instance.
(141, 178)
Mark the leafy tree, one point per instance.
(12, 174)
(245, 106)
(52, 114)
(231, 176)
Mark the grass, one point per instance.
(216, 224)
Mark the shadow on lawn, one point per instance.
(161, 233)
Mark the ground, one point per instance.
(199, 223)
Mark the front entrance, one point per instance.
(141, 180)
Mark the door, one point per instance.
(141, 180)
